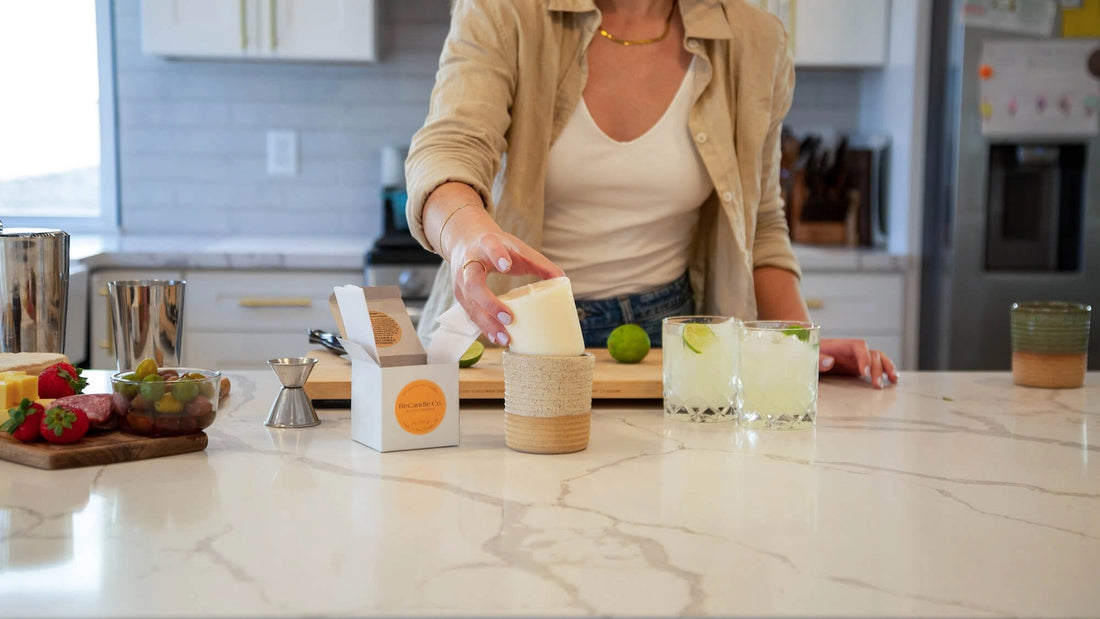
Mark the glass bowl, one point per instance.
(173, 402)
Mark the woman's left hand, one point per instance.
(852, 357)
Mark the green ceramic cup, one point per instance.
(1050, 341)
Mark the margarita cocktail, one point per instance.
(778, 376)
(700, 368)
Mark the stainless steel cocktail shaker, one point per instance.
(34, 289)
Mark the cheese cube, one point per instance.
(14, 386)
(9, 393)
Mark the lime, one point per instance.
(628, 344)
(801, 333)
(698, 337)
(472, 355)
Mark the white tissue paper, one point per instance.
(452, 337)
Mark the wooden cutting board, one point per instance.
(331, 377)
(98, 449)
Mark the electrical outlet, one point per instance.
(282, 153)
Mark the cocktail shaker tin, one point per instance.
(34, 289)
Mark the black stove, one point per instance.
(397, 259)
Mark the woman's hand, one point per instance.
(463, 232)
(475, 254)
(852, 357)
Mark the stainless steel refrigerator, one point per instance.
(1015, 217)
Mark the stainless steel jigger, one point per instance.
(292, 408)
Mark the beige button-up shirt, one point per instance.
(511, 73)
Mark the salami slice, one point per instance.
(98, 406)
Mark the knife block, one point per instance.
(844, 232)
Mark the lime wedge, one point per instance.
(472, 355)
(698, 337)
(801, 333)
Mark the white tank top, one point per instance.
(620, 215)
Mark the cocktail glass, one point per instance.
(778, 378)
(700, 368)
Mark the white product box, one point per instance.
(398, 401)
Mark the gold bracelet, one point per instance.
(439, 245)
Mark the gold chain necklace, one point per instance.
(627, 42)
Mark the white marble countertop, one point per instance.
(143, 251)
(290, 252)
(950, 494)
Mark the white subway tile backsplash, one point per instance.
(178, 167)
(229, 195)
(192, 133)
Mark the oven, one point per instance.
(397, 259)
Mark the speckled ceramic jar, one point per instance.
(547, 402)
(1050, 342)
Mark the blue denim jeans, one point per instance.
(599, 317)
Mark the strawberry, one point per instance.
(24, 421)
(60, 380)
(63, 425)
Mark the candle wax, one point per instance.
(544, 319)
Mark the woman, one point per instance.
(631, 144)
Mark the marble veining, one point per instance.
(950, 494)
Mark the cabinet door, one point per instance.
(197, 27)
(319, 29)
(840, 33)
(869, 306)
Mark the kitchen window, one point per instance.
(57, 115)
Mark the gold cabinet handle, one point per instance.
(274, 29)
(275, 302)
(244, 26)
(815, 304)
(109, 343)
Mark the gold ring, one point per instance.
(471, 261)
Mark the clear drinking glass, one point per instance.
(778, 376)
(700, 368)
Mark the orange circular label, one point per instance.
(420, 407)
(386, 330)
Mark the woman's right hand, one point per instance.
(474, 245)
(473, 260)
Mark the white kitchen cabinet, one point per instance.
(241, 318)
(235, 319)
(835, 33)
(840, 33)
(322, 30)
(866, 305)
(76, 316)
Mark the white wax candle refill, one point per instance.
(544, 319)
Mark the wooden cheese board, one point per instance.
(97, 449)
(331, 377)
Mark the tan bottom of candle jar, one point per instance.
(547, 402)
(1050, 371)
(547, 435)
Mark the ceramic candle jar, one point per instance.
(1050, 342)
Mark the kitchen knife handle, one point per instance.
(108, 343)
(275, 302)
